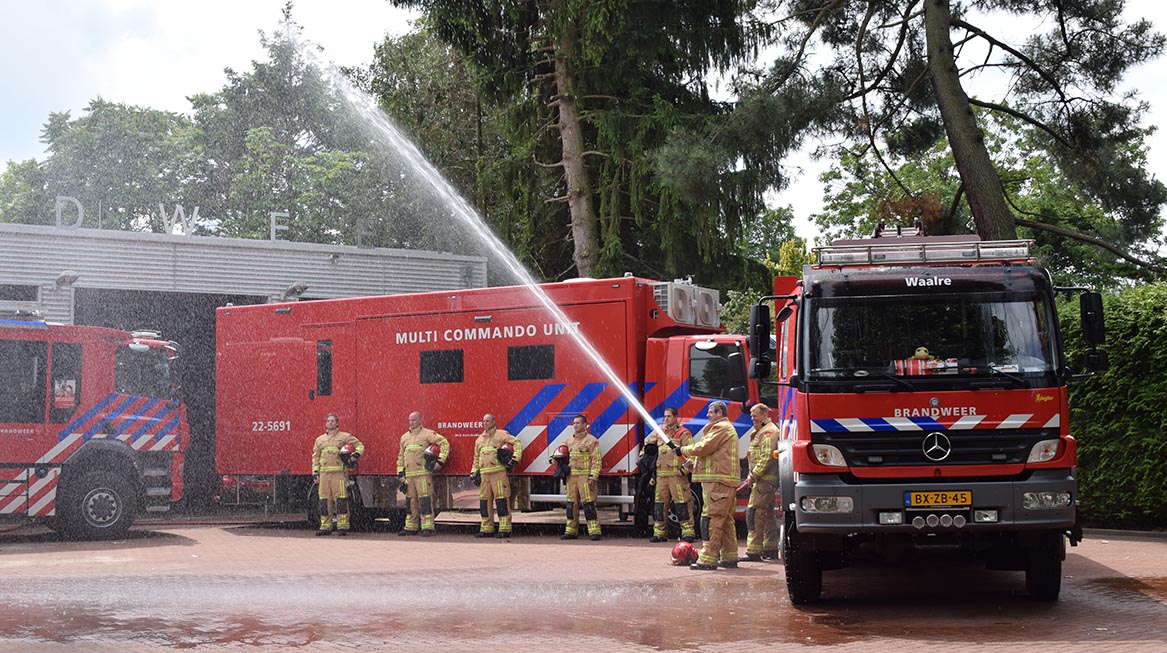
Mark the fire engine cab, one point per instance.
(92, 427)
(455, 356)
(922, 398)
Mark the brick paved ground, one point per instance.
(215, 588)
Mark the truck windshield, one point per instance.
(147, 373)
(1002, 335)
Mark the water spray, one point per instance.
(367, 108)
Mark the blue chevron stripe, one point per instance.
(115, 411)
(85, 417)
(612, 413)
(535, 406)
(150, 422)
(676, 399)
(574, 407)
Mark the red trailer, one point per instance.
(92, 425)
(454, 356)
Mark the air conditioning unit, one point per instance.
(708, 307)
(682, 300)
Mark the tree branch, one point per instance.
(546, 165)
(863, 99)
(1020, 116)
(1013, 51)
(1068, 233)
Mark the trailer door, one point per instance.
(330, 376)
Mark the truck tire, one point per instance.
(642, 505)
(312, 511)
(99, 506)
(1043, 570)
(804, 574)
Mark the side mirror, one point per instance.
(759, 341)
(1093, 324)
(1097, 360)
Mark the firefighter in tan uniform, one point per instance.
(495, 452)
(417, 478)
(761, 524)
(583, 479)
(672, 485)
(331, 474)
(715, 467)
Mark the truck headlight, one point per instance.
(1043, 451)
(827, 504)
(829, 455)
(1040, 500)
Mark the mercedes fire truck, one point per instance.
(922, 398)
(92, 426)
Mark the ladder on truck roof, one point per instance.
(909, 246)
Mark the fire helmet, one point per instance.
(561, 453)
(506, 454)
(684, 554)
(431, 454)
(346, 454)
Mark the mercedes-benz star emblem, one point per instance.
(936, 446)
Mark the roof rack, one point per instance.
(916, 250)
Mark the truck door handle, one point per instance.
(311, 394)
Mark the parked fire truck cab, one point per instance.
(92, 426)
(455, 356)
(922, 394)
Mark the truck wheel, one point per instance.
(804, 574)
(642, 505)
(360, 518)
(313, 505)
(99, 506)
(1043, 574)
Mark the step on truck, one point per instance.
(455, 356)
(922, 397)
(93, 429)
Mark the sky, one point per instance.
(58, 55)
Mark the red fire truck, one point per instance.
(923, 406)
(454, 356)
(92, 426)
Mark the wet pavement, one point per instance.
(272, 588)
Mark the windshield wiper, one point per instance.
(861, 375)
(902, 382)
(1012, 376)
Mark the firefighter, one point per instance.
(495, 453)
(583, 479)
(672, 484)
(716, 469)
(416, 477)
(331, 475)
(761, 524)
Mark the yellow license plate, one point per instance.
(945, 499)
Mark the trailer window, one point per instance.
(531, 363)
(22, 381)
(66, 381)
(441, 366)
(323, 368)
(709, 370)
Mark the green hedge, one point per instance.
(1120, 417)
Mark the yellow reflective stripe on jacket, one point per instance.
(763, 467)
